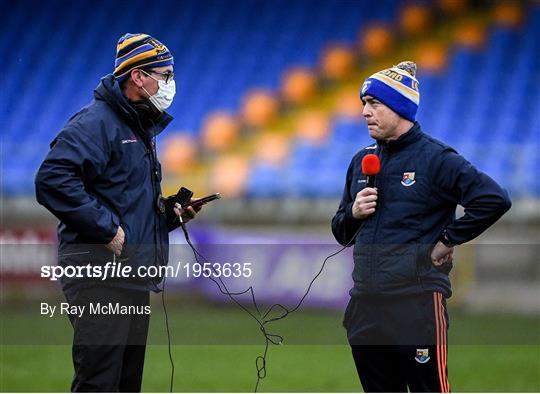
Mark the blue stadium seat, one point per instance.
(266, 181)
(485, 100)
(221, 49)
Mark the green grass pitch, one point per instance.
(215, 350)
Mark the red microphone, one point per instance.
(371, 166)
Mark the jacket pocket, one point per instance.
(126, 249)
(362, 262)
(445, 268)
(397, 264)
(425, 267)
(423, 259)
(126, 232)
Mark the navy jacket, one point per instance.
(419, 187)
(102, 172)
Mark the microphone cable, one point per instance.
(168, 335)
(275, 339)
(155, 164)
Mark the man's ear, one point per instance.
(136, 77)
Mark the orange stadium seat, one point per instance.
(415, 19)
(313, 127)
(337, 61)
(453, 6)
(298, 85)
(179, 152)
(432, 57)
(229, 175)
(258, 108)
(376, 41)
(220, 130)
(470, 34)
(272, 149)
(508, 14)
(348, 104)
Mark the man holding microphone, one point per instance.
(404, 231)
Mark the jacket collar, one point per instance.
(408, 138)
(109, 91)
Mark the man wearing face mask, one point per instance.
(101, 179)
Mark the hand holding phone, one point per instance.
(184, 197)
(199, 202)
(183, 205)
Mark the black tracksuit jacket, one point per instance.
(392, 248)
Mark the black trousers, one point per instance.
(109, 347)
(399, 343)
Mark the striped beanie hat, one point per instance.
(139, 51)
(397, 88)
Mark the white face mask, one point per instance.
(163, 98)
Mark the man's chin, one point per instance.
(374, 134)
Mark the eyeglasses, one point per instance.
(166, 76)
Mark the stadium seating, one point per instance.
(486, 103)
(221, 49)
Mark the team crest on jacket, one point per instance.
(408, 179)
(422, 356)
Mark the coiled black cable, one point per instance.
(275, 339)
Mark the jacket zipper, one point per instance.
(151, 152)
(383, 156)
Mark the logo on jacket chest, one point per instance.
(408, 179)
(132, 139)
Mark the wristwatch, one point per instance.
(444, 239)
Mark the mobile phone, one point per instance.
(205, 200)
(183, 196)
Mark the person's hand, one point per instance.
(441, 254)
(365, 203)
(187, 213)
(117, 242)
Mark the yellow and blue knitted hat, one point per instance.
(397, 88)
(139, 51)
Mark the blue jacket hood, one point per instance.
(102, 172)
(109, 91)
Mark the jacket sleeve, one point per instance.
(73, 162)
(458, 182)
(344, 225)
